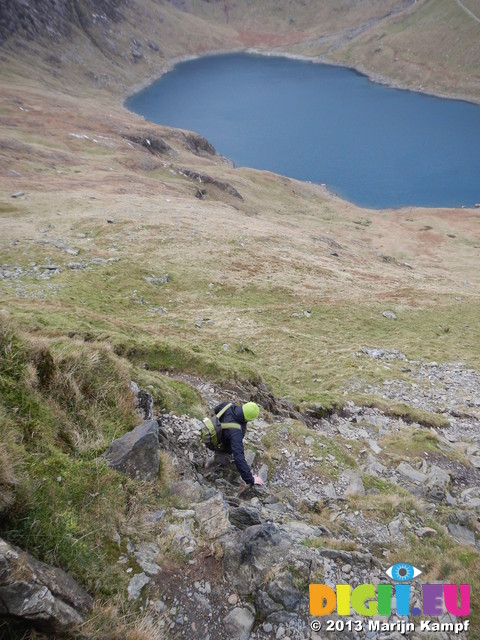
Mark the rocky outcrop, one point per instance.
(137, 453)
(39, 594)
(199, 145)
(143, 402)
(54, 18)
(151, 142)
(204, 179)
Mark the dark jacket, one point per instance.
(233, 439)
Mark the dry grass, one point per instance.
(114, 621)
(8, 478)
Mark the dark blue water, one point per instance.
(376, 146)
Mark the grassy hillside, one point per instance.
(426, 45)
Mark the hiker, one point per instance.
(232, 442)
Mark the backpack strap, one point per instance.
(227, 425)
(231, 425)
(222, 411)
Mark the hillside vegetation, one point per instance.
(115, 266)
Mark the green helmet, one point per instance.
(250, 411)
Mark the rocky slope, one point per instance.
(325, 515)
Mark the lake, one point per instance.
(375, 146)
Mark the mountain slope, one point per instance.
(116, 264)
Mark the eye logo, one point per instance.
(402, 572)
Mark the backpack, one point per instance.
(212, 430)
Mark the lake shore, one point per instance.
(374, 77)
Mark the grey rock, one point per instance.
(238, 623)
(438, 477)
(473, 503)
(374, 446)
(283, 617)
(407, 471)
(158, 280)
(136, 453)
(265, 605)
(189, 489)
(383, 354)
(471, 492)
(390, 315)
(395, 527)
(299, 530)
(42, 595)
(355, 485)
(202, 601)
(155, 516)
(450, 500)
(281, 590)
(182, 537)
(263, 472)
(253, 553)
(243, 517)
(475, 461)
(212, 516)
(329, 491)
(461, 534)
(146, 554)
(276, 507)
(426, 532)
(437, 483)
(143, 402)
(373, 467)
(136, 585)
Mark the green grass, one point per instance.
(304, 359)
(61, 404)
(412, 443)
(66, 513)
(442, 561)
(406, 412)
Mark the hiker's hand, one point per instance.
(257, 480)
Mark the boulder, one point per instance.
(137, 453)
(39, 594)
(238, 623)
(250, 556)
(437, 483)
(355, 485)
(408, 472)
(212, 516)
(243, 517)
(281, 590)
(189, 489)
(265, 605)
(462, 535)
